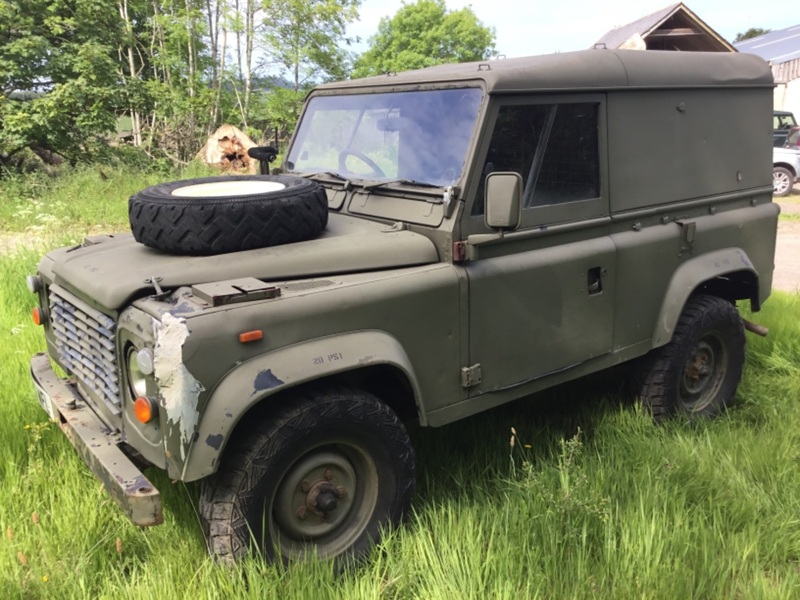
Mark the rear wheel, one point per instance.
(696, 374)
(324, 475)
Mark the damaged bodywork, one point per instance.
(178, 389)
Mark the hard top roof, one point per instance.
(587, 70)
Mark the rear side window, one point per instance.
(554, 147)
(783, 121)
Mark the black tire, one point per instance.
(324, 474)
(163, 217)
(696, 374)
(782, 181)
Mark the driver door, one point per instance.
(541, 297)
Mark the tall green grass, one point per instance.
(591, 500)
(89, 198)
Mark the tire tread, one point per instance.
(224, 497)
(219, 225)
(655, 377)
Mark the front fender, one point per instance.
(687, 278)
(265, 375)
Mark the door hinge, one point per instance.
(471, 376)
(459, 252)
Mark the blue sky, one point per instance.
(535, 27)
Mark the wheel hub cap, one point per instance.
(315, 496)
(703, 373)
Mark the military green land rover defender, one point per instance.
(434, 244)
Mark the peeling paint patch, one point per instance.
(265, 380)
(178, 387)
(215, 441)
(182, 308)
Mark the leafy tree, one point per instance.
(179, 68)
(58, 75)
(304, 37)
(753, 32)
(425, 34)
(277, 111)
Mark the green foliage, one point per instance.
(753, 32)
(305, 36)
(62, 52)
(280, 108)
(70, 68)
(425, 34)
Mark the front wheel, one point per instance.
(324, 475)
(696, 374)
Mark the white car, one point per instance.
(785, 170)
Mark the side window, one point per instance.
(554, 147)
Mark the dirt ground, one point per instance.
(787, 253)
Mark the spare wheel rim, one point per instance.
(246, 187)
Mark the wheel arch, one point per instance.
(786, 166)
(726, 273)
(375, 362)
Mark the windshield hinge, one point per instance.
(449, 199)
(471, 376)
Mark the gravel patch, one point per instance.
(786, 276)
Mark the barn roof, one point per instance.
(776, 46)
(675, 27)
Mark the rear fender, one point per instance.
(260, 378)
(688, 277)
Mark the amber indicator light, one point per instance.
(37, 316)
(143, 409)
(251, 336)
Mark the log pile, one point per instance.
(226, 149)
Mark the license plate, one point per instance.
(46, 403)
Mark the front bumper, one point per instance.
(98, 445)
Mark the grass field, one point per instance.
(592, 500)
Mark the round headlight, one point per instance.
(136, 377)
(34, 283)
(144, 358)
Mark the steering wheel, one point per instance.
(376, 170)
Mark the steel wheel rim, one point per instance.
(703, 373)
(342, 472)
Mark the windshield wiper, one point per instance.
(333, 174)
(403, 180)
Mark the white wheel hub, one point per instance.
(246, 187)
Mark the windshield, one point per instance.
(419, 136)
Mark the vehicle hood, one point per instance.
(117, 268)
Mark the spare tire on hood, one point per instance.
(216, 215)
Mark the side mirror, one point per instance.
(503, 200)
(264, 155)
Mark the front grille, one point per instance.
(84, 338)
